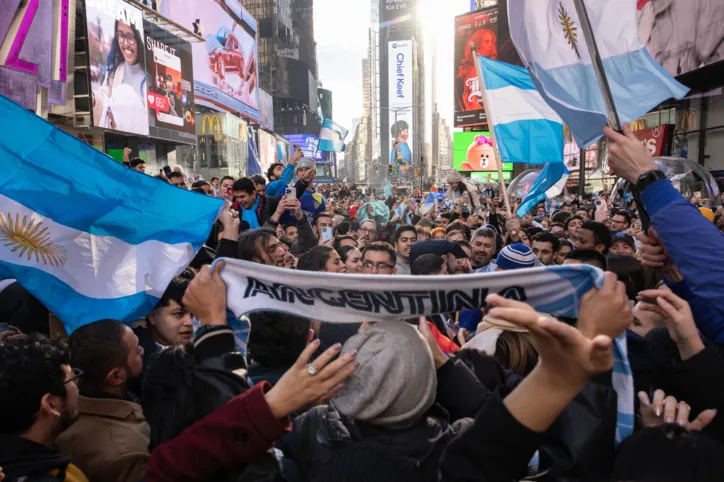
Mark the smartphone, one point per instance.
(166, 170)
(327, 234)
(290, 193)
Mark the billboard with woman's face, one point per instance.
(117, 66)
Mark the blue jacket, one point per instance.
(285, 180)
(696, 246)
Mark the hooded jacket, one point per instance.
(473, 192)
(22, 459)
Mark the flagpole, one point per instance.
(492, 130)
(613, 120)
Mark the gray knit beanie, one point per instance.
(304, 163)
(454, 177)
(396, 382)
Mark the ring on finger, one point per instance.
(311, 370)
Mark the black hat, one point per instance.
(436, 246)
(624, 237)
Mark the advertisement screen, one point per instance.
(282, 150)
(267, 150)
(117, 66)
(682, 35)
(400, 99)
(396, 11)
(488, 29)
(225, 65)
(266, 110)
(308, 144)
(473, 151)
(169, 85)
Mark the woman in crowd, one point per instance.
(321, 258)
(352, 259)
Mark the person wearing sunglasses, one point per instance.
(38, 400)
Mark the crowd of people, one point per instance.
(502, 393)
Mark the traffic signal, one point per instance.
(417, 172)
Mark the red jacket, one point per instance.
(234, 434)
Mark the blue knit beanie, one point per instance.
(516, 256)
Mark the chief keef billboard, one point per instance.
(400, 99)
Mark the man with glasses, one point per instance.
(367, 233)
(379, 258)
(110, 356)
(38, 400)
(621, 222)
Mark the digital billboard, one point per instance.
(473, 151)
(488, 29)
(266, 110)
(400, 100)
(307, 142)
(117, 66)
(169, 85)
(682, 35)
(267, 150)
(225, 65)
(488, 176)
(396, 11)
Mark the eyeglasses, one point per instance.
(77, 377)
(379, 266)
(125, 38)
(368, 230)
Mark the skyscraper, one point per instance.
(401, 66)
(288, 62)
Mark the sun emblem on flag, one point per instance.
(569, 29)
(28, 238)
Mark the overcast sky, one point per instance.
(341, 31)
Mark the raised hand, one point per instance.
(678, 318)
(663, 409)
(205, 296)
(567, 357)
(626, 155)
(605, 311)
(305, 383)
(438, 356)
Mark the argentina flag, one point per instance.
(526, 129)
(548, 37)
(88, 237)
(549, 184)
(331, 137)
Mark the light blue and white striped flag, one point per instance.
(549, 184)
(526, 129)
(331, 137)
(90, 238)
(548, 37)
